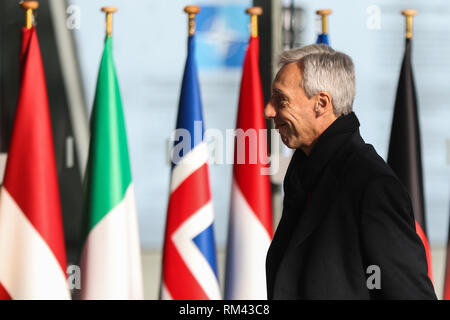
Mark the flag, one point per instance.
(189, 260)
(446, 295)
(32, 251)
(111, 258)
(404, 155)
(3, 157)
(322, 38)
(250, 225)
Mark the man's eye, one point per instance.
(283, 103)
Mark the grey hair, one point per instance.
(325, 69)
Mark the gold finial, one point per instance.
(109, 12)
(29, 6)
(324, 14)
(409, 14)
(254, 12)
(191, 11)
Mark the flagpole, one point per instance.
(324, 13)
(29, 6)
(109, 20)
(254, 12)
(191, 11)
(409, 14)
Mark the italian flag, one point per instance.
(111, 258)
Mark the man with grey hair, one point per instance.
(347, 229)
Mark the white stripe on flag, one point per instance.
(28, 268)
(190, 253)
(248, 244)
(165, 294)
(111, 258)
(189, 164)
(3, 157)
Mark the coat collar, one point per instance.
(314, 175)
(326, 146)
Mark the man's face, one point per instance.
(291, 110)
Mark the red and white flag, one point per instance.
(32, 251)
(250, 227)
(189, 270)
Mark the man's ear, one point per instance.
(323, 103)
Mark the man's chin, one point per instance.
(287, 142)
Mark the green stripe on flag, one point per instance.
(108, 169)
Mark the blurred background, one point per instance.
(150, 51)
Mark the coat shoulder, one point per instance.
(360, 163)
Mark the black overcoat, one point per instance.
(345, 213)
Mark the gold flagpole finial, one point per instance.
(29, 6)
(254, 12)
(409, 14)
(191, 11)
(109, 12)
(324, 14)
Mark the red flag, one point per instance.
(250, 228)
(446, 295)
(32, 251)
(447, 271)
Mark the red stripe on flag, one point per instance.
(179, 280)
(30, 175)
(4, 295)
(254, 186)
(447, 275)
(191, 195)
(424, 239)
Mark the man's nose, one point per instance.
(269, 111)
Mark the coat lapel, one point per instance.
(318, 205)
(313, 214)
(282, 237)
